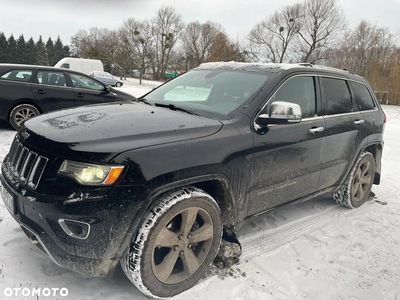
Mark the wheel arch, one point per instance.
(375, 148)
(215, 185)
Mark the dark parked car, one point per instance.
(154, 183)
(27, 91)
(106, 78)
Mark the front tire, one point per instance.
(118, 84)
(176, 243)
(355, 191)
(22, 113)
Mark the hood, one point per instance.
(99, 132)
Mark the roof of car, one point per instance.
(272, 67)
(24, 66)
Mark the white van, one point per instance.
(80, 64)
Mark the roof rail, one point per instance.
(322, 67)
(306, 64)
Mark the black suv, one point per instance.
(154, 183)
(27, 91)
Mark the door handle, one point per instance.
(359, 122)
(79, 95)
(315, 130)
(42, 92)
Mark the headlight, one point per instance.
(90, 174)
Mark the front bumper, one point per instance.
(96, 255)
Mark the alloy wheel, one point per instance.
(362, 181)
(182, 245)
(23, 115)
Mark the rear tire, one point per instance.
(22, 113)
(355, 191)
(175, 245)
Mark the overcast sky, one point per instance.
(50, 18)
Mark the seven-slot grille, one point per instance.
(25, 165)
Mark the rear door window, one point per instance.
(18, 75)
(363, 96)
(50, 78)
(336, 97)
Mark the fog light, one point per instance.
(75, 229)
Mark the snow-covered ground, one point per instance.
(132, 86)
(315, 250)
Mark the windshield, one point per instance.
(217, 93)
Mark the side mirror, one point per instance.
(107, 89)
(280, 113)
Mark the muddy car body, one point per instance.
(194, 158)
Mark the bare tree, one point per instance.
(101, 43)
(274, 35)
(369, 45)
(198, 40)
(322, 26)
(138, 37)
(364, 48)
(223, 49)
(78, 43)
(394, 84)
(166, 27)
(370, 51)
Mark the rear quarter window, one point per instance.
(363, 96)
(18, 75)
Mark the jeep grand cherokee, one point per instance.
(154, 182)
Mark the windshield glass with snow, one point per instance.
(215, 93)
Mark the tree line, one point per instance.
(312, 31)
(20, 51)
(315, 31)
(163, 43)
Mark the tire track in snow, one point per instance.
(257, 244)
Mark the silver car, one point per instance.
(106, 78)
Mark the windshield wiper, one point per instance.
(143, 100)
(174, 107)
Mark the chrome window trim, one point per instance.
(369, 110)
(334, 77)
(312, 118)
(342, 115)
